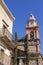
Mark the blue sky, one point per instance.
(21, 9)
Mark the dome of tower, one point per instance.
(31, 17)
(31, 21)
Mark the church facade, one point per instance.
(32, 30)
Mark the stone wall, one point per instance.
(4, 59)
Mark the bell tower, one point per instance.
(32, 30)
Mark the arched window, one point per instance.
(32, 35)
